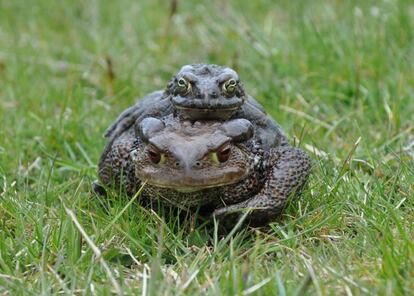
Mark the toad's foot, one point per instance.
(98, 189)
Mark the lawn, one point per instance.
(337, 75)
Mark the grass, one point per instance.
(337, 75)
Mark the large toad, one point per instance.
(205, 163)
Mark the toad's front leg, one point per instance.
(288, 171)
(116, 167)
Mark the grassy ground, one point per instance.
(337, 75)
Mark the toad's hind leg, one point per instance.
(288, 171)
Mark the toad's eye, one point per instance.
(155, 155)
(222, 154)
(229, 87)
(183, 86)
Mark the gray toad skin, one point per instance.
(188, 173)
(206, 98)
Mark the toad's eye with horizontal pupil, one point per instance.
(155, 155)
(183, 86)
(229, 86)
(221, 155)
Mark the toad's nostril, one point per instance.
(197, 164)
(177, 163)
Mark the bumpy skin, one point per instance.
(253, 178)
(207, 97)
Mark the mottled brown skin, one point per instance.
(183, 165)
(198, 92)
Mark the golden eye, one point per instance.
(224, 154)
(155, 155)
(229, 86)
(221, 155)
(183, 86)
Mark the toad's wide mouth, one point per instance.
(206, 105)
(188, 184)
(206, 114)
(205, 109)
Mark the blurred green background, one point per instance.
(337, 75)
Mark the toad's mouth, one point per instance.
(203, 109)
(206, 105)
(201, 113)
(189, 184)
